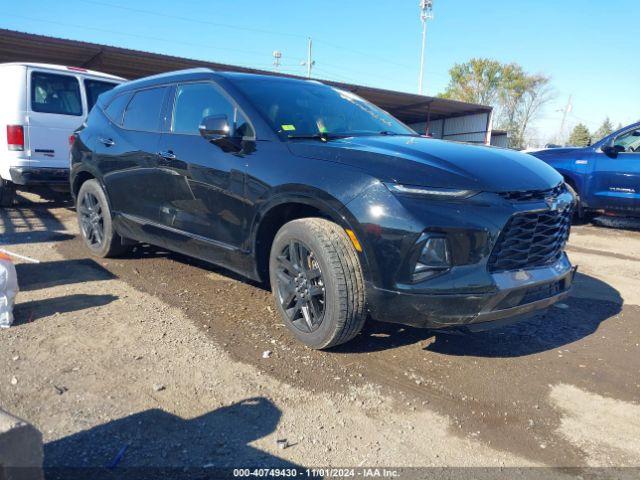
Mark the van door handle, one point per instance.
(168, 155)
(107, 142)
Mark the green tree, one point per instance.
(516, 96)
(477, 81)
(605, 129)
(580, 136)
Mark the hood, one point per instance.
(552, 152)
(434, 163)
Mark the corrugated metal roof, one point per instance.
(132, 64)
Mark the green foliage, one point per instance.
(605, 130)
(580, 136)
(477, 81)
(515, 95)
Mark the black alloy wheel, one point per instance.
(317, 282)
(96, 224)
(91, 219)
(301, 290)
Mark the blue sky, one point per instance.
(588, 47)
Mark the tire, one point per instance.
(327, 279)
(582, 216)
(7, 193)
(95, 222)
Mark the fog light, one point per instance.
(434, 258)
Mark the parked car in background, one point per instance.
(342, 208)
(605, 176)
(40, 107)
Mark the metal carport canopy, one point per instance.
(26, 47)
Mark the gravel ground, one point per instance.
(162, 358)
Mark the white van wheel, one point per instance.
(7, 193)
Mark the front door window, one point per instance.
(629, 142)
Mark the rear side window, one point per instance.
(143, 112)
(94, 88)
(115, 110)
(53, 93)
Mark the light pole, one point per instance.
(426, 13)
(310, 63)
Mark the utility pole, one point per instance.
(565, 112)
(310, 62)
(426, 13)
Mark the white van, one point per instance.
(40, 106)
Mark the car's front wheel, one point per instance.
(581, 215)
(317, 282)
(94, 219)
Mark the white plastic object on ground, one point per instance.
(8, 290)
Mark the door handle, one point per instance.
(107, 142)
(168, 155)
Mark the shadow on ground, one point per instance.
(141, 445)
(546, 331)
(34, 276)
(551, 329)
(31, 222)
(42, 196)
(27, 312)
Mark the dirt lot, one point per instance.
(161, 358)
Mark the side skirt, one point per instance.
(186, 243)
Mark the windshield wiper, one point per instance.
(322, 136)
(390, 133)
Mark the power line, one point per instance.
(342, 48)
(194, 20)
(290, 68)
(136, 35)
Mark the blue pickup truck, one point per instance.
(605, 176)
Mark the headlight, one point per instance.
(434, 257)
(439, 193)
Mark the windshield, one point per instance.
(301, 109)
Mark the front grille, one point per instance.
(531, 240)
(534, 195)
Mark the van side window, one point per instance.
(143, 112)
(115, 110)
(196, 101)
(53, 93)
(94, 88)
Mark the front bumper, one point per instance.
(39, 176)
(517, 293)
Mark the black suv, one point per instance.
(342, 208)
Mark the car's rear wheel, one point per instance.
(317, 282)
(7, 193)
(94, 219)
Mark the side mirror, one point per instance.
(215, 127)
(611, 149)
